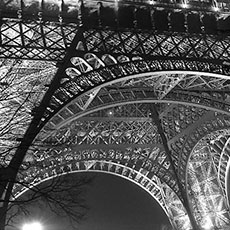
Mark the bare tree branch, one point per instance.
(22, 85)
(64, 196)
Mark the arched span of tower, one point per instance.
(203, 90)
(127, 135)
(167, 81)
(132, 137)
(130, 50)
(43, 169)
(134, 89)
(203, 98)
(83, 76)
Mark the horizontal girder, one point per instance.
(70, 8)
(35, 40)
(42, 40)
(43, 30)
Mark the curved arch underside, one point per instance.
(113, 122)
(46, 169)
(127, 135)
(91, 73)
(151, 105)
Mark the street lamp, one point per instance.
(32, 226)
(207, 225)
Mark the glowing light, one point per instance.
(215, 8)
(110, 113)
(207, 223)
(184, 5)
(187, 223)
(32, 226)
(91, 95)
(151, 2)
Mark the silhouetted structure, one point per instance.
(140, 89)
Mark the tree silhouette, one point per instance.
(64, 196)
(23, 84)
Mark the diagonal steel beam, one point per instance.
(156, 120)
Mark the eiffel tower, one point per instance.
(135, 88)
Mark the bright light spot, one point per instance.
(215, 8)
(187, 223)
(207, 224)
(184, 5)
(91, 95)
(32, 226)
(151, 2)
(110, 113)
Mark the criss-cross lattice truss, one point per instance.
(139, 89)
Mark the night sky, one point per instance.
(115, 203)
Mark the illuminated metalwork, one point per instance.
(207, 196)
(168, 200)
(23, 84)
(92, 110)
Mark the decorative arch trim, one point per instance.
(74, 85)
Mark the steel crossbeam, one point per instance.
(94, 114)
(35, 40)
(44, 40)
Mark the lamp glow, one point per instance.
(208, 223)
(151, 2)
(184, 5)
(32, 226)
(110, 113)
(215, 8)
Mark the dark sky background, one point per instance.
(115, 203)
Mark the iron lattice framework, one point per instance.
(140, 89)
